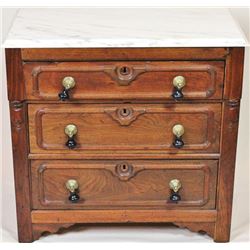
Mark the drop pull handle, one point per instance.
(71, 130)
(178, 131)
(68, 83)
(72, 186)
(175, 186)
(178, 82)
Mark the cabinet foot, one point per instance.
(198, 227)
(40, 229)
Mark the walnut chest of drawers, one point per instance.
(124, 135)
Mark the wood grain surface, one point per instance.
(107, 140)
(122, 216)
(148, 129)
(20, 143)
(141, 184)
(142, 80)
(107, 54)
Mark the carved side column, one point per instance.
(226, 170)
(20, 144)
(230, 118)
(18, 113)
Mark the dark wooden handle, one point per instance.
(74, 197)
(71, 143)
(175, 197)
(178, 142)
(64, 95)
(177, 94)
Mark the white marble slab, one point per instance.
(124, 27)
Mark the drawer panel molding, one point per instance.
(125, 80)
(145, 128)
(123, 183)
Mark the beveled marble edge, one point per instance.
(124, 43)
(102, 28)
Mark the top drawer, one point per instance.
(126, 80)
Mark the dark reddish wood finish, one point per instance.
(142, 185)
(229, 132)
(100, 128)
(234, 74)
(117, 54)
(122, 216)
(215, 221)
(16, 84)
(198, 227)
(20, 143)
(40, 229)
(144, 80)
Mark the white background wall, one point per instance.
(240, 221)
(8, 16)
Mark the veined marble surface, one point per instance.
(123, 27)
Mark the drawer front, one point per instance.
(124, 127)
(119, 184)
(125, 80)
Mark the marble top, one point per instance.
(123, 27)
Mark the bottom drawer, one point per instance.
(123, 184)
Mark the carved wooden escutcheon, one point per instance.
(124, 170)
(124, 75)
(125, 115)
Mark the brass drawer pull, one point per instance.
(178, 82)
(68, 83)
(72, 186)
(71, 130)
(175, 186)
(178, 131)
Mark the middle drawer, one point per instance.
(133, 128)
